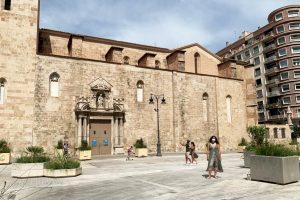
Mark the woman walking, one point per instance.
(193, 153)
(187, 151)
(214, 158)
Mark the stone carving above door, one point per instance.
(100, 84)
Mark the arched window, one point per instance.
(2, 90)
(205, 106)
(157, 64)
(197, 62)
(126, 60)
(54, 84)
(140, 91)
(228, 108)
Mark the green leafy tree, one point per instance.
(296, 131)
(257, 134)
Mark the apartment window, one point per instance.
(295, 37)
(297, 74)
(247, 54)
(280, 29)
(283, 63)
(298, 99)
(293, 13)
(284, 75)
(257, 72)
(275, 130)
(281, 40)
(286, 100)
(296, 61)
(297, 86)
(255, 50)
(285, 88)
(7, 5)
(282, 132)
(54, 84)
(258, 82)
(256, 61)
(239, 57)
(259, 94)
(278, 17)
(298, 112)
(2, 90)
(294, 26)
(282, 52)
(296, 49)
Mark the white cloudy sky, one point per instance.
(163, 23)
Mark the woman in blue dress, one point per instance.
(214, 158)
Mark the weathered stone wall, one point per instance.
(18, 33)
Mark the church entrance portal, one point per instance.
(100, 137)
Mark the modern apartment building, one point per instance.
(275, 52)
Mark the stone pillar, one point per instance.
(84, 128)
(116, 131)
(88, 132)
(79, 131)
(121, 134)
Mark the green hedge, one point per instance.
(277, 150)
(4, 147)
(62, 162)
(33, 154)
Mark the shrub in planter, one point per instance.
(275, 163)
(59, 149)
(140, 148)
(4, 152)
(242, 145)
(62, 166)
(85, 152)
(31, 163)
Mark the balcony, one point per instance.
(270, 59)
(273, 105)
(273, 94)
(271, 71)
(268, 36)
(269, 47)
(277, 117)
(274, 81)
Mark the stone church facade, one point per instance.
(57, 85)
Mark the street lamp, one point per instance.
(154, 97)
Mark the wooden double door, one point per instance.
(100, 137)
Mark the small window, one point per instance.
(278, 17)
(298, 99)
(247, 54)
(256, 61)
(298, 112)
(280, 29)
(205, 106)
(283, 63)
(286, 100)
(239, 57)
(285, 88)
(296, 49)
(293, 13)
(54, 84)
(294, 26)
(282, 52)
(197, 62)
(7, 5)
(255, 50)
(228, 106)
(259, 94)
(284, 75)
(296, 61)
(140, 91)
(257, 72)
(157, 64)
(295, 38)
(126, 60)
(283, 133)
(2, 90)
(281, 40)
(297, 86)
(275, 130)
(296, 74)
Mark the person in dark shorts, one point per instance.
(187, 151)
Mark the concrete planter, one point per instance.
(4, 158)
(59, 152)
(25, 170)
(85, 155)
(141, 152)
(241, 149)
(62, 172)
(247, 155)
(280, 170)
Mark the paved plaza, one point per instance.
(150, 178)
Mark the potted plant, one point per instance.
(62, 166)
(59, 149)
(258, 137)
(242, 145)
(275, 163)
(140, 148)
(31, 163)
(85, 151)
(4, 152)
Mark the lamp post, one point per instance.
(154, 97)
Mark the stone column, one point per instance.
(88, 132)
(79, 131)
(84, 128)
(121, 134)
(116, 131)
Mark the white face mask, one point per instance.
(213, 140)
